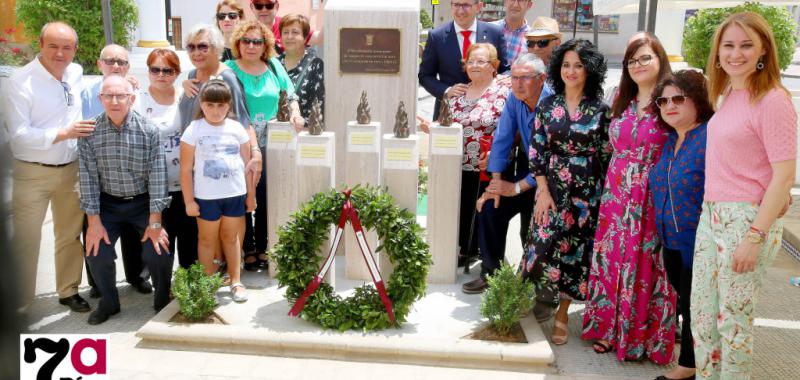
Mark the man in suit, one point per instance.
(441, 72)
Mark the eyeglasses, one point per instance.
(167, 71)
(517, 1)
(522, 78)
(111, 97)
(540, 43)
(115, 61)
(642, 61)
(203, 47)
(463, 6)
(254, 41)
(260, 6)
(477, 62)
(67, 95)
(230, 15)
(677, 100)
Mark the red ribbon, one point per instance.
(348, 213)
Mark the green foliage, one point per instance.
(507, 299)
(425, 19)
(422, 178)
(699, 31)
(195, 291)
(401, 237)
(12, 55)
(85, 16)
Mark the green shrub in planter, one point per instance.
(195, 291)
(507, 299)
(85, 16)
(425, 19)
(698, 34)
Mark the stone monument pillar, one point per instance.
(444, 196)
(282, 181)
(400, 175)
(369, 45)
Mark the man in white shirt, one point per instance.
(43, 114)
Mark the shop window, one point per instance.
(564, 13)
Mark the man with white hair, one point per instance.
(123, 182)
(509, 192)
(43, 114)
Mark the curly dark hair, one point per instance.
(693, 85)
(593, 62)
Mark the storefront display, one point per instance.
(564, 13)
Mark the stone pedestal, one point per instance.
(315, 173)
(400, 174)
(385, 87)
(281, 180)
(362, 166)
(444, 195)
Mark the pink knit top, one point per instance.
(743, 139)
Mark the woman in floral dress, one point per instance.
(568, 155)
(631, 306)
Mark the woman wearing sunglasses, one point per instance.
(229, 14)
(676, 185)
(263, 78)
(631, 307)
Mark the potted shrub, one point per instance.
(507, 299)
(196, 294)
(700, 28)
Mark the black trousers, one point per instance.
(130, 243)
(493, 226)
(115, 215)
(681, 279)
(255, 230)
(471, 190)
(182, 230)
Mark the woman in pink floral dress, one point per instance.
(631, 306)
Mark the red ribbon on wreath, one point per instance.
(348, 213)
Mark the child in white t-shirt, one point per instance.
(215, 149)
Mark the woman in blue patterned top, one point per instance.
(676, 183)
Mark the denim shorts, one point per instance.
(212, 209)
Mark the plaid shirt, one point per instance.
(515, 40)
(122, 162)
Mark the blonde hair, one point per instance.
(243, 28)
(489, 48)
(232, 4)
(761, 81)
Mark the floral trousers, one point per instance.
(722, 300)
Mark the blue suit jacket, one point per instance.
(441, 59)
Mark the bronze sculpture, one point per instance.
(445, 117)
(362, 112)
(315, 126)
(401, 122)
(283, 107)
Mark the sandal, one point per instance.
(252, 261)
(560, 339)
(241, 295)
(601, 348)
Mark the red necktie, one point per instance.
(466, 34)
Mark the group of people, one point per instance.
(167, 168)
(638, 202)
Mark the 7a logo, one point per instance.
(33, 346)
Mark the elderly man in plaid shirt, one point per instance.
(514, 27)
(123, 182)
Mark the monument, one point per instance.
(281, 156)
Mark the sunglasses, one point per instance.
(254, 41)
(166, 71)
(260, 6)
(202, 47)
(231, 15)
(115, 61)
(677, 100)
(540, 43)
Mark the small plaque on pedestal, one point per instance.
(363, 137)
(315, 150)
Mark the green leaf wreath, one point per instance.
(400, 235)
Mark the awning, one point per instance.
(613, 7)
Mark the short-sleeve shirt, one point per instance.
(218, 164)
(165, 117)
(744, 138)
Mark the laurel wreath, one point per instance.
(400, 236)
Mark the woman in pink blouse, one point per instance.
(631, 306)
(750, 166)
(478, 111)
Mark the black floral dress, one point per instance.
(572, 151)
(313, 84)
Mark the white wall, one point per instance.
(193, 12)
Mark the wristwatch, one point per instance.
(155, 225)
(756, 236)
(516, 188)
